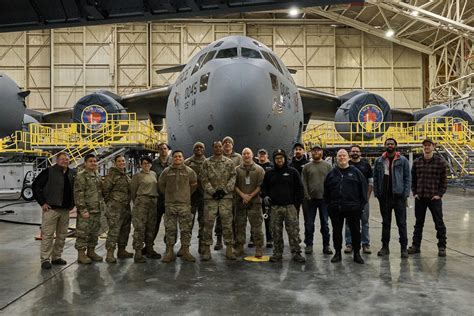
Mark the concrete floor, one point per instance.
(423, 284)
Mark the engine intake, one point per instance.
(362, 116)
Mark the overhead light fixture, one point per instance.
(414, 13)
(390, 33)
(294, 12)
(333, 25)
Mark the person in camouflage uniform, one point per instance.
(249, 204)
(197, 199)
(116, 190)
(158, 165)
(177, 182)
(144, 194)
(282, 189)
(218, 181)
(90, 203)
(228, 146)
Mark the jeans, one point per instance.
(352, 217)
(364, 221)
(398, 204)
(436, 208)
(309, 218)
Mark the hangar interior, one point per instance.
(413, 53)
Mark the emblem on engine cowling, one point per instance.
(370, 117)
(94, 117)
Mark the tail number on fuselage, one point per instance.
(190, 95)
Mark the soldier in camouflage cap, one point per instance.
(90, 203)
(116, 191)
(177, 182)
(218, 181)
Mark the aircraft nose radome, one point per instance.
(240, 94)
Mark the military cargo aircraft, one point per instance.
(236, 86)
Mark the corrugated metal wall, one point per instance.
(61, 66)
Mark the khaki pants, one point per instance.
(53, 221)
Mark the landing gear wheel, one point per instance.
(27, 193)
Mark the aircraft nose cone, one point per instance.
(240, 94)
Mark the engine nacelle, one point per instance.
(457, 115)
(362, 116)
(92, 109)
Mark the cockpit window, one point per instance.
(198, 63)
(277, 63)
(271, 60)
(208, 57)
(250, 53)
(218, 44)
(227, 53)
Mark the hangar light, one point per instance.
(293, 12)
(390, 33)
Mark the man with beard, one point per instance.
(364, 167)
(314, 174)
(282, 190)
(392, 188)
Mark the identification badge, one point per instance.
(247, 180)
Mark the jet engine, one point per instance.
(92, 109)
(362, 116)
(457, 115)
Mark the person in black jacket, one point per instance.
(345, 191)
(53, 190)
(282, 189)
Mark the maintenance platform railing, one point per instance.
(454, 138)
(78, 139)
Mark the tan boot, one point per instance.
(91, 254)
(229, 254)
(82, 257)
(151, 253)
(139, 256)
(180, 251)
(123, 254)
(187, 256)
(239, 250)
(169, 255)
(110, 256)
(206, 253)
(258, 252)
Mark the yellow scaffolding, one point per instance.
(454, 137)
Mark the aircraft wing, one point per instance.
(150, 102)
(402, 116)
(319, 105)
(61, 116)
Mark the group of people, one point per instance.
(227, 190)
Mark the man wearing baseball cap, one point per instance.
(429, 183)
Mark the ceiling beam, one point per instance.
(371, 30)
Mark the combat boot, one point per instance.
(151, 253)
(169, 255)
(276, 257)
(218, 245)
(91, 254)
(82, 257)
(258, 252)
(385, 251)
(186, 255)
(297, 257)
(229, 254)
(110, 256)
(139, 256)
(358, 258)
(123, 254)
(337, 256)
(206, 253)
(239, 250)
(180, 251)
